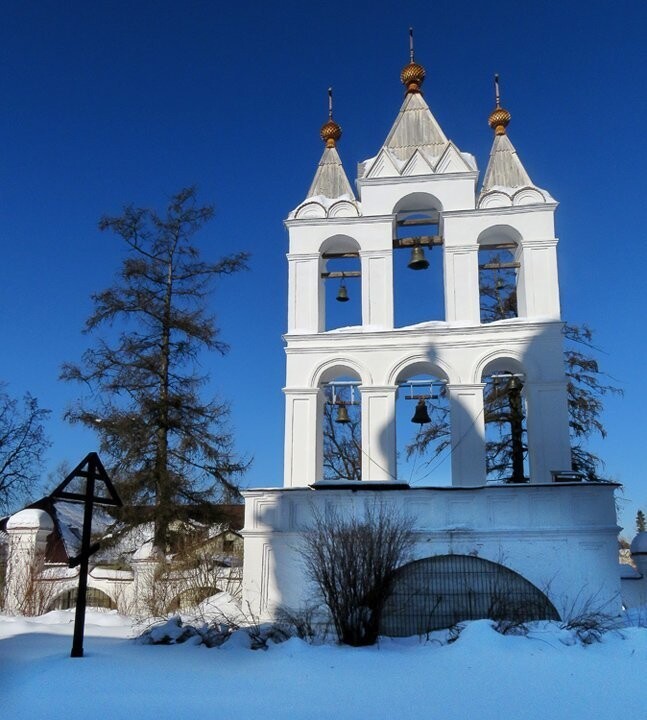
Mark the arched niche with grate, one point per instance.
(191, 597)
(95, 598)
(438, 592)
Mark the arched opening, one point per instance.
(342, 428)
(191, 597)
(438, 592)
(423, 426)
(418, 280)
(94, 598)
(499, 264)
(505, 413)
(341, 283)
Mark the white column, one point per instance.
(461, 284)
(377, 288)
(28, 531)
(378, 433)
(549, 445)
(537, 284)
(306, 298)
(467, 435)
(303, 437)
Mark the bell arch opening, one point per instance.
(341, 287)
(341, 427)
(437, 592)
(505, 415)
(418, 277)
(422, 417)
(499, 261)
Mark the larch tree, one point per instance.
(22, 444)
(169, 449)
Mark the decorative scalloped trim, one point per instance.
(310, 210)
(528, 196)
(494, 199)
(343, 208)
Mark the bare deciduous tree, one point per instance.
(342, 446)
(353, 561)
(22, 443)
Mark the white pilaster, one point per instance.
(378, 432)
(537, 285)
(548, 436)
(467, 434)
(461, 284)
(306, 301)
(377, 289)
(303, 436)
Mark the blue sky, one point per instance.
(106, 103)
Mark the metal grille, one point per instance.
(94, 598)
(440, 591)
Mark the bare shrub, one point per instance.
(33, 593)
(589, 627)
(304, 623)
(183, 582)
(589, 618)
(353, 562)
(454, 632)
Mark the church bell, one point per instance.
(421, 416)
(418, 260)
(342, 415)
(342, 293)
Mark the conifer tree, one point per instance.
(640, 521)
(168, 447)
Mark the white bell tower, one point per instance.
(420, 177)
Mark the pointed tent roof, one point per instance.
(505, 169)
(330, 180)
(415, 128)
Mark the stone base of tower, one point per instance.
(560, 537)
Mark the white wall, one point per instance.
(561, 537)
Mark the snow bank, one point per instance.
(482, 675)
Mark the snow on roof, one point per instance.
(31, 518)
(639, 544)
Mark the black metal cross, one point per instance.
(95, 475)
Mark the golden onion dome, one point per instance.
(499, 119)
(412, 77)
(330, 133)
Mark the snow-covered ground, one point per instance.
(481, 676)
